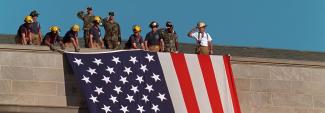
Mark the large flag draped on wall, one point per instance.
(148, 82)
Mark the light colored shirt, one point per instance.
(203, 39)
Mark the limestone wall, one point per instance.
(35, 80)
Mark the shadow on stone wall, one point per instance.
(74, 96)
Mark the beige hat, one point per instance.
(201, 24)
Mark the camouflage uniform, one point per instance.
(170, 40)
(88, 23)
(112, 36)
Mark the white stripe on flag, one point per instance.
(172, 82)
(198, 83)
(222, 81)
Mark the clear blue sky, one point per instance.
(286, 24)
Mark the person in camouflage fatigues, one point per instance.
(88, 23)
(112, 38)
(169, 37)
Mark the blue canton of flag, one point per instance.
(122, 82)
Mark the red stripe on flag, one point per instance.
(185, 82)
(210, 83)
(231, 83)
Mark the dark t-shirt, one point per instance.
(68, 35)
(52, 38)
(23, 29)
(153, 38)
(95, 31)
(35, 27)
(133, 39)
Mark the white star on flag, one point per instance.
(134, 89)
(86, 79)
(145, 98)
(92, 71)
(130, 98)
(127, 70)
(140, 109)
(149, 57)
(106, 108)
(123, 80)
(94, 99)
(144, 68)
(156, 77)
(155, 108)
(124, 109)
(149, 88)
(140, 79)
(99, 90)
(106, 79)
(110, 70)
(116, 60)
(98, 61)
(161, 97)
(118, 90)
(133, 59)
(113, 99)
(78, 61)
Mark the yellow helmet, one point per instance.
(28, 19)
(54, 29)
(97, 19)
(136, 28)
(75, 28)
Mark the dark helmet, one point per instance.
(153, 24)
(34, 13)
(111, 13)
(89, 8)
(169, 24)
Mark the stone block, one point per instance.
(279, 86)
(308, 88)
(292, 100)
(49, 74)
(16, 73)
(5, 86)
(242, 84)
(34, 88)
(250, 71)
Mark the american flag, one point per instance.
(150, 82)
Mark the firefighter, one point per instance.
(53, 38)
(24, 33)
(36, 28)
(203, 39)
(112, 38)
(88, 23)
(169, 37)
(95, 34)
(135, 40)
(153, 39)
(72, 37)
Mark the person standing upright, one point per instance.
(36, 28)
(169, 37)
(153, 40)
(112, 38)
(88, 23)
(203, 39)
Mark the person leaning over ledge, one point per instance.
(135, 40)
(53, 38)
(72, 37)
(203, 39)
(24, 33)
